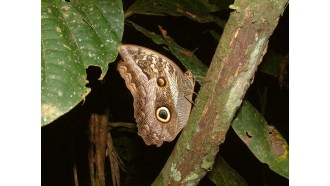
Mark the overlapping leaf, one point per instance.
(196, 10)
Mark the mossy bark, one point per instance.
(240, 51)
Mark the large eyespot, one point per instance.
(161, 81)
(163, 114)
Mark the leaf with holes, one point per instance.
(75, 35)
(264, 141)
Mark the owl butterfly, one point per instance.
(162, 93)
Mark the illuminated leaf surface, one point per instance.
(75, 35)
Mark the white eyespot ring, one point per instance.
(163, 114)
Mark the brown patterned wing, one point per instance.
(162, 93)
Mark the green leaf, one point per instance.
(198, 10)
(152, 35)
(264, 141)
(188, 59)
(224, 175)
(75, 35)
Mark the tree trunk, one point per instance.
(240, 51)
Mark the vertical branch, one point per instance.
(240, 50)
(98, 138)
(101, 139)
(91, 154)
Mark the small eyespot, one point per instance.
(161, 81)
(163, 114)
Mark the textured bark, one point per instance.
(240, 50)
(98, 138)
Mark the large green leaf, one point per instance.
(264, 141)
(75, 35)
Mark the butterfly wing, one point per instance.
(162, 93)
